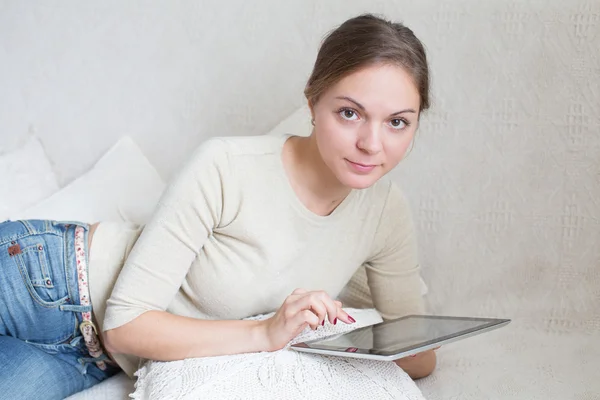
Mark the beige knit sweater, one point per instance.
(230, 239)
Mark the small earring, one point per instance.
(312, 121)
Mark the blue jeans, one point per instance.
(42, 352)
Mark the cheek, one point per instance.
(333, 136)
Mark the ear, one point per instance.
(311, 109)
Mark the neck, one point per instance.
(314, 183)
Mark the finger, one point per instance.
(333, 310)
(318, 308)
(302, 319)
(310, 302)
(296, 294)
(343, 316)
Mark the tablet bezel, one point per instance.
(487, 324)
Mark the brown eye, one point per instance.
(398, 123)
(348, 114)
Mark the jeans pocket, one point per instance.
(35, 267)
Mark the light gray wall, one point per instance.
(168, 73)
(505, 175)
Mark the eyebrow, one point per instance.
(350, 99)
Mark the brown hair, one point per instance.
(364, 41)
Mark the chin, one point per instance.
(354, 181)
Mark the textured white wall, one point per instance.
(168, 73)
(505, 175)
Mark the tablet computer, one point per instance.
(401, 337)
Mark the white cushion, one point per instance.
(27, 178)
(282, 374)
(122, 186)
(117, 387)
(297, 123)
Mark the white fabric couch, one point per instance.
(504, 177)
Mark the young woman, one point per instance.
(250, 225)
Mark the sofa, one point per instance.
(503, 179)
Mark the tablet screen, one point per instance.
(404, 334)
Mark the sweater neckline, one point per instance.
(336, 214)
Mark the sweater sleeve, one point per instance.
(187, 213)
(393, 271)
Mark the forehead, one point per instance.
(379, 86)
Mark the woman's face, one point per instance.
(365, 123)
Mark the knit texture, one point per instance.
(283, 374)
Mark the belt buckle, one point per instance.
(87, 323)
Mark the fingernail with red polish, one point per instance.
(351, 319)
(323, 323)
(335, 321)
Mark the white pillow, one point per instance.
(122, 186)
(297, 123)
(282, 374)
(27, 178)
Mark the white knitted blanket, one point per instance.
(284, 374)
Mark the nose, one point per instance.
(369, 139)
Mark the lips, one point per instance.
(361, 168)
(363, 165)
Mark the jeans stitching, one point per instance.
(52, 346)
(28, 226)
(43, 263)
(45, 272)
(13, 238)
(30, 231)
(55, 228)
(29, 286)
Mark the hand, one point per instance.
(419, 365)
(416, 354)
(299, 310)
